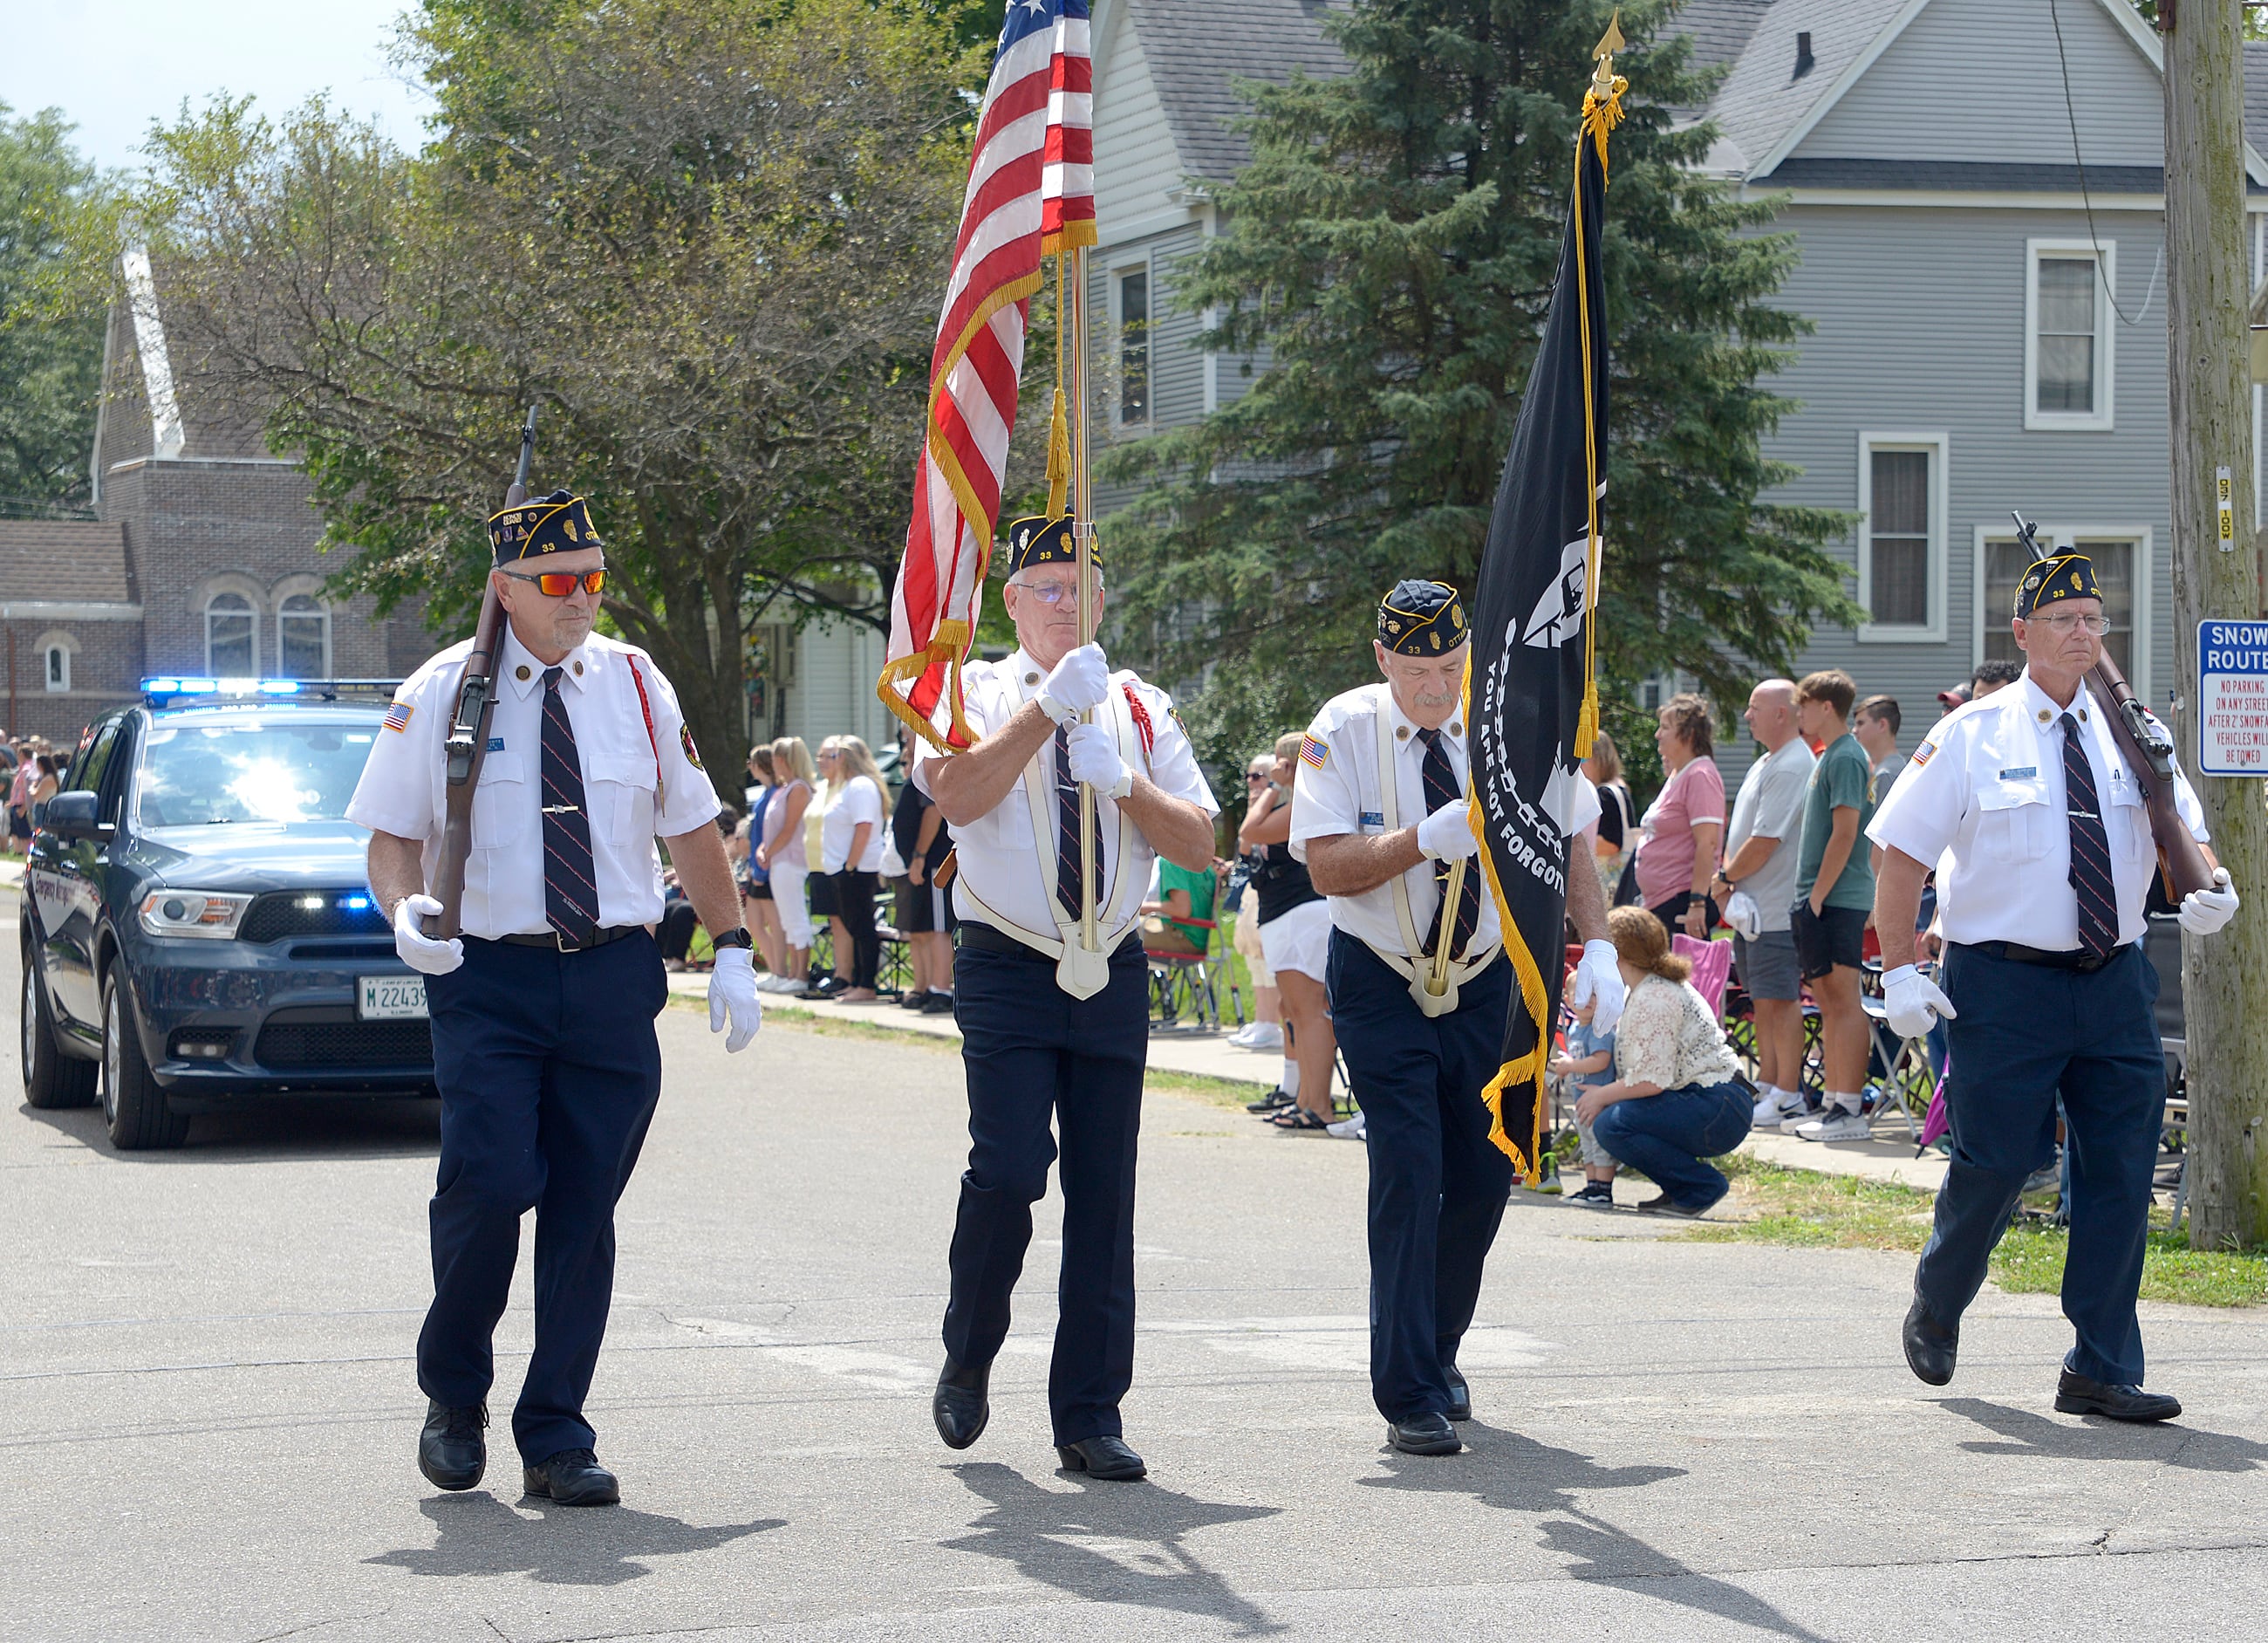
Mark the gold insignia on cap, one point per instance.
(1394, 627)
(521, 672)
(1456, 616)
(1433, 639)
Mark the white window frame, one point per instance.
(2101, 418)
(251, 612)
(322, 610)
(2058, 539)
(1144, 265)
(57, 681)
(1939, 444)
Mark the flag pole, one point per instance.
(1082, 531)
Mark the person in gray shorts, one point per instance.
(1761, 860)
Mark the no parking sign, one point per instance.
(2232, 699)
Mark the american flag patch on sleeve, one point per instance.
(397, 716)
(1313, 753)
(1925, 753)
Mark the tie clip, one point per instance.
(562, 810)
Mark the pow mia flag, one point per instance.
(1532, 702)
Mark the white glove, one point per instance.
(1912, 1003)
(733, 991)
(1742, 916)
(1076, 686)
(1447, 834)
(1598, 982)
(2205, 911)
(1094, 761)
(418, 950)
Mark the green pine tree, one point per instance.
(1389, 257)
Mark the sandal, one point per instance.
(1300, 1119)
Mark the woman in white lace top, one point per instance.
(1675, 1103)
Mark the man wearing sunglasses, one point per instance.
(1052, 1029)
(543, 1009)
(2029, 810)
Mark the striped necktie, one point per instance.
(1071, 875)
(2090, 848)
(1442, 788)
(570, 888)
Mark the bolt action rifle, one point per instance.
(2149, 752)
(468, 746)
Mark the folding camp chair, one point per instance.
(1183, 984)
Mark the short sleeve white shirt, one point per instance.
(1000, 859)
(1982, 799)
(1338, 791)
(858, 801)
(638, 781)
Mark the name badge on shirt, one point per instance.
(1373, 818)
(2019, 773)
(496, 744)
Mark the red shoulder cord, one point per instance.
(1142, 727)
(646, 708)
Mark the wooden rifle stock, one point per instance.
(2150, 755)
(466, 748)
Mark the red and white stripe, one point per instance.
(1030, 194)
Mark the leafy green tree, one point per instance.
(50, 326)
(1389, 256)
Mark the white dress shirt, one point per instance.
(635, 787)
(857, 801)
(998, 860)
(1983, 799)
(1341, 794)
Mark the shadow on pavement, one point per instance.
(2025, 1433)
(557, 1545)
(1050, 1537)
(1514, 1473)
(272, 1129)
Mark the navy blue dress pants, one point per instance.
(549, 1070)
(1032, 1053)
(2024, 1033)
(1438, 1185)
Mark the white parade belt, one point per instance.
(1079, 972)
(1417, 971)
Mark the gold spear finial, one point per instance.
(1602, 80)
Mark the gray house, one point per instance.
(1989, 296)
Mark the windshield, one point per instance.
(251, 771)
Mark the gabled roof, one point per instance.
(1719, 31)
(1763, 101)
(1198, 49)
(77, 562)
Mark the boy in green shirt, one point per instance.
(1834, 892)
(1183, 897)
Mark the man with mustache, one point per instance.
(1379, 813)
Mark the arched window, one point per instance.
(303, 639)
(55, 665)
(231, 637)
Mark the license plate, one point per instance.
(391, 998)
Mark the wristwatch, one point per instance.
(739, 937)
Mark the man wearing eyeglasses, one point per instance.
(1052, 1029)
(543, 1009)
(2028, 809)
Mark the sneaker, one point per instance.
(2047, 1178)
(1268, 1105)
(1259, 1036)
(1791, 1119)
(1837, 1125)
(1595, 1195)
(1767, 1114)
(1349, 1129)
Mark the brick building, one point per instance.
(202, 557)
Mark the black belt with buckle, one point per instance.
(2048, 958)
(554, 939)
(986, 939)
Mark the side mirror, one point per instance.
(75, 814)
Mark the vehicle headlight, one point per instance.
(193, 913)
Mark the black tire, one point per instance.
(133, 1103)
(51, 1079)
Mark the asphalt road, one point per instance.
(207, 1409)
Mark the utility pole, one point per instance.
(2208, 287)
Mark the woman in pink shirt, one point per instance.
(1685, 823)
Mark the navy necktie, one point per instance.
(571, 888)
(1071, 875)
(2090, 848)
(1440, 785)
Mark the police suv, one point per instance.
(197, 925)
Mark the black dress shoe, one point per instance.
(572, 1478)
(451, 1451)
(1107, 1458)
(961, 1405)
(1930, 1346)
(2076, 1394)
(1429, 1434)
(1461, 1395)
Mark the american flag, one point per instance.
(1030, 194)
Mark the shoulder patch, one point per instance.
(692, 753)
(397, 716)
(1314, 754)
(1924, 753)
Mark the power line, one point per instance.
(2086, 202)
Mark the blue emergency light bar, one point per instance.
(165, 690)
